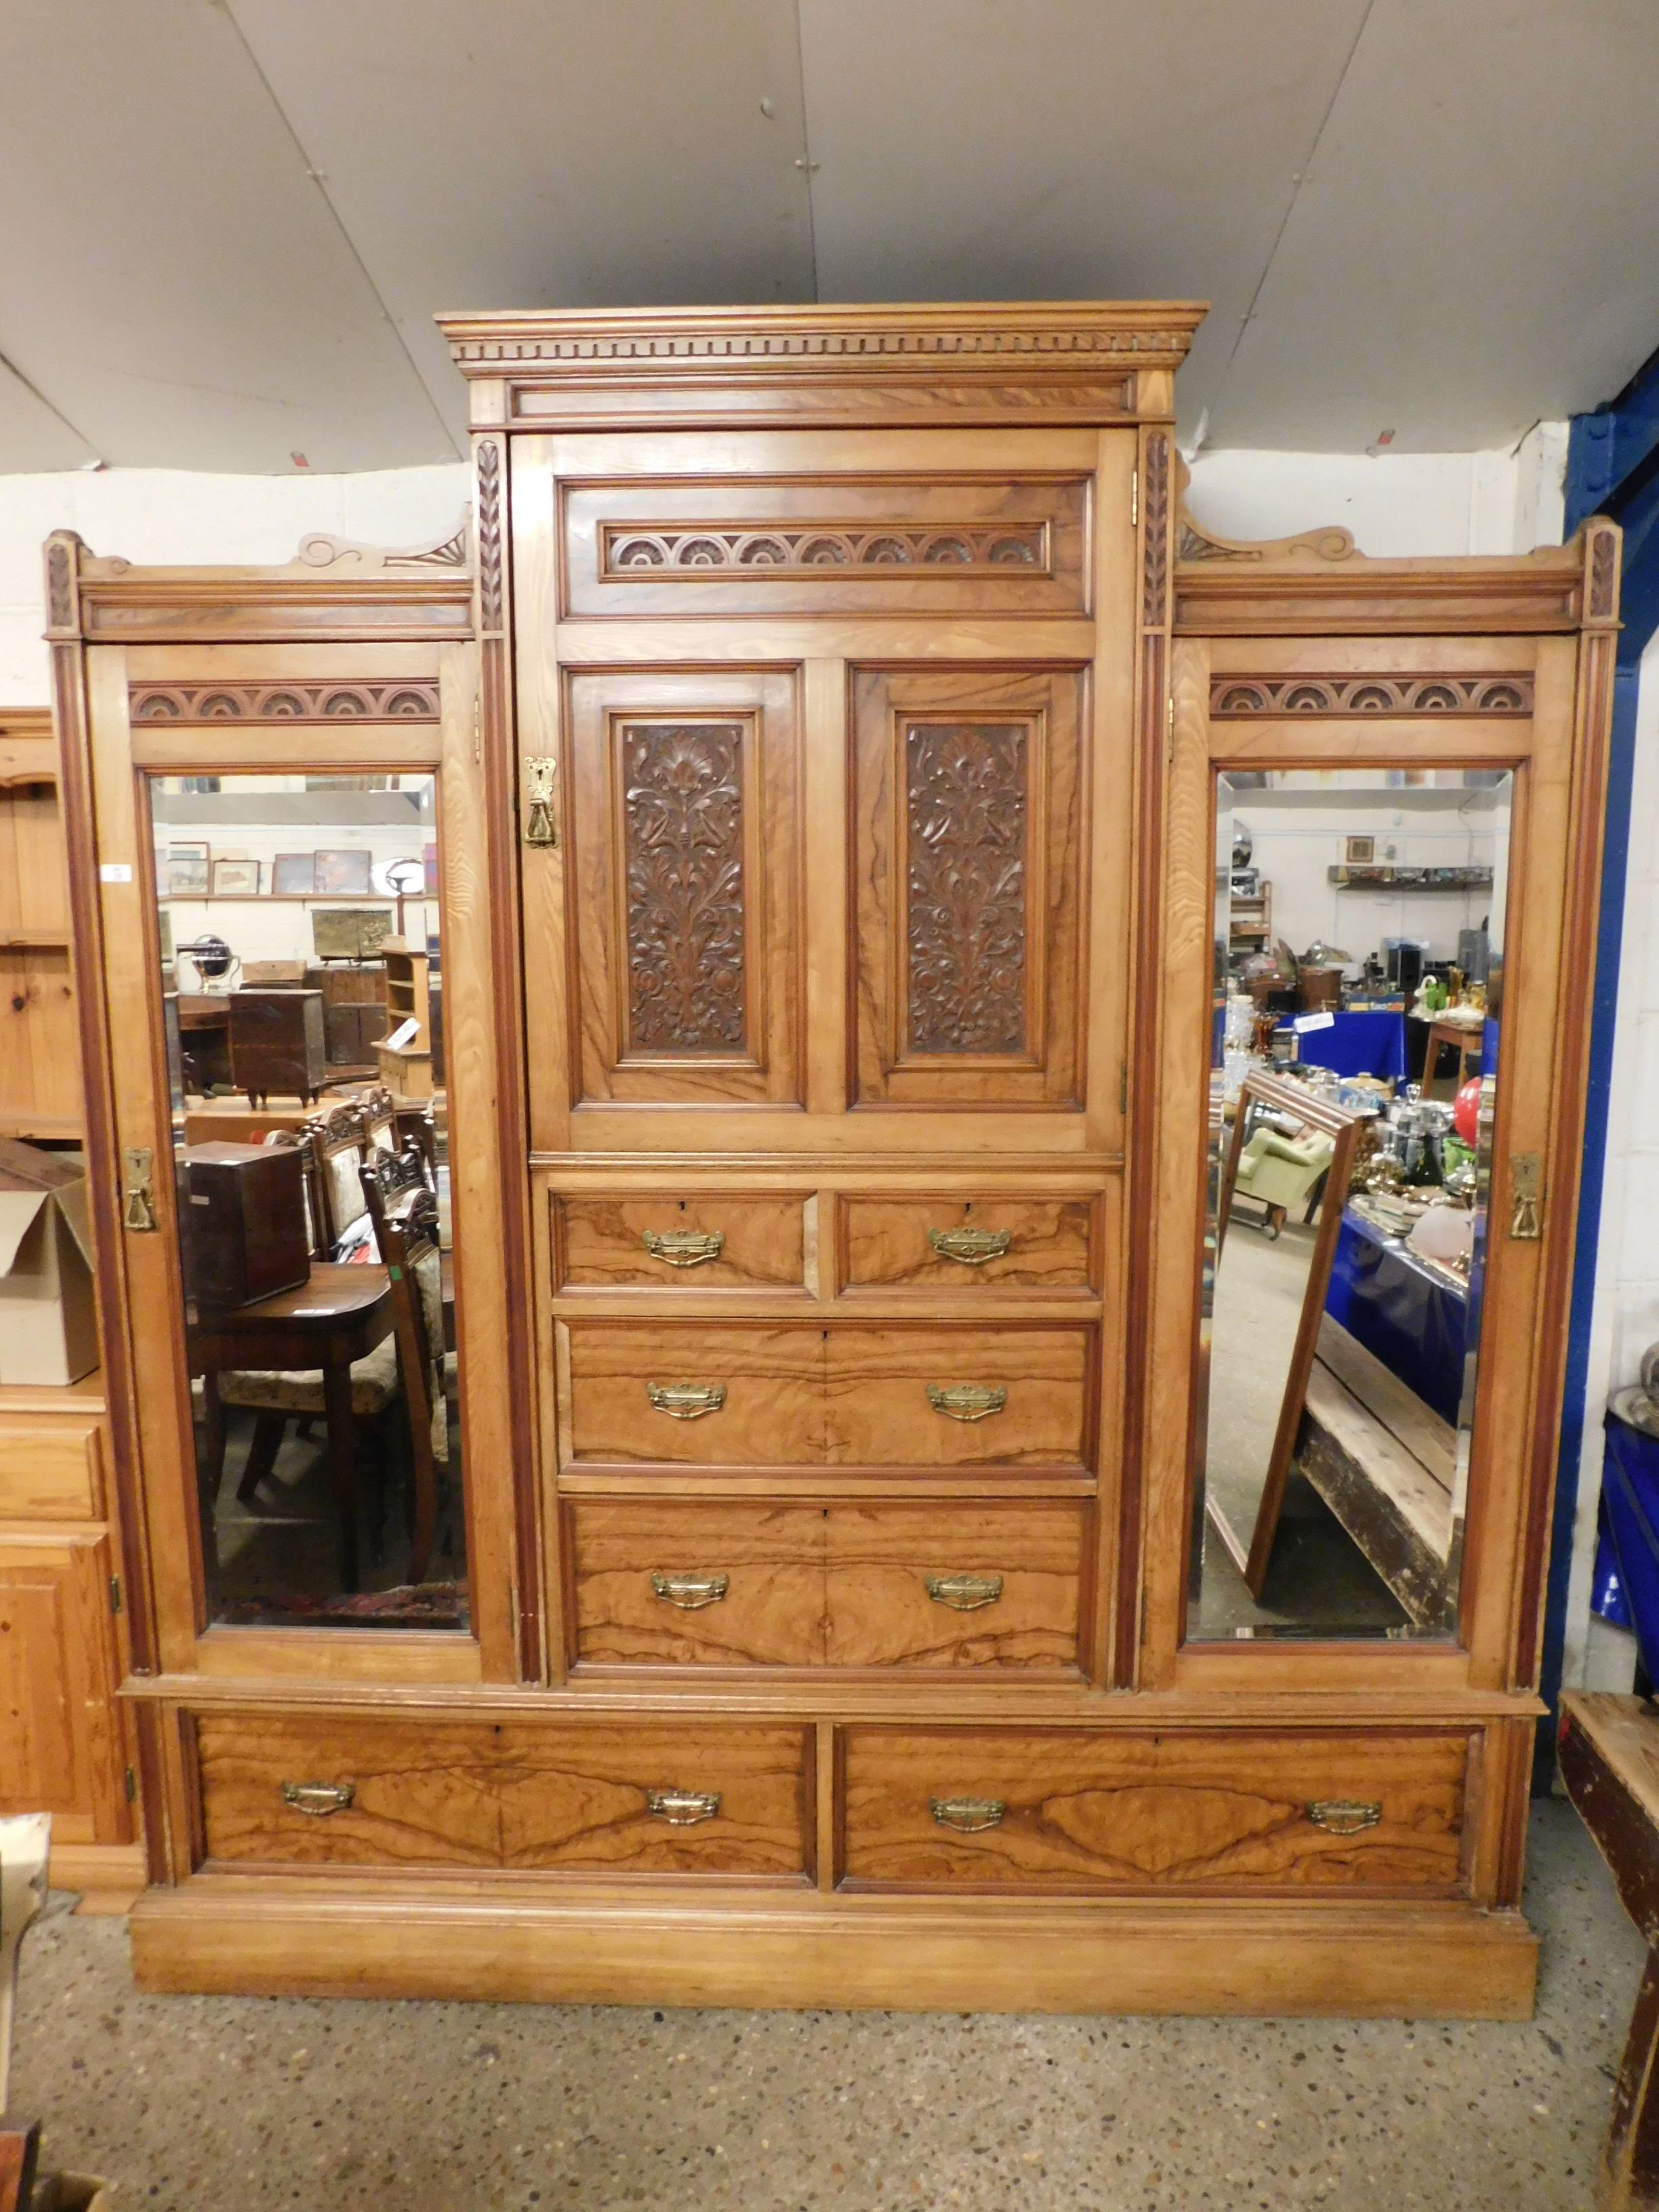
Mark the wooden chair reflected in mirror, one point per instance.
(405, 1213)
(1287, 1145)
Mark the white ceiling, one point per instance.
(225, 225)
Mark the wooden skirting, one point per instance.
(108, 1875)
(288, 1938)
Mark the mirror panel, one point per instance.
(1359, 961)
(302, 1002)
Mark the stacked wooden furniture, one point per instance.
(61, 1739)
(825, 736)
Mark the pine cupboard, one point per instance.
(830, 714)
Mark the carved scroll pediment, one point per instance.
(319, 550)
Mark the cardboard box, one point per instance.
(48, 1315)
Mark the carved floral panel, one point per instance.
(682, 831)
(967, 801)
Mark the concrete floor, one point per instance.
(244, 2105)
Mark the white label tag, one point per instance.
(1304, 1023)
(115, 872)
(404, 1034)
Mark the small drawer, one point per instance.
(712, 1396)
(958, 1247)
(579, 1797)
(710, 1242)
(1233, 1811)
(955, 1585)
(697, 1583)
(1013, 1396)
(51, 1468)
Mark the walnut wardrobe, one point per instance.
(819, 739)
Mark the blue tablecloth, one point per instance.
(1414, 1322)
(1371, 1043)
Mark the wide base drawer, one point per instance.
(1040, 1810)
(597, 1798)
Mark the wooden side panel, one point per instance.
(59, 1740)
(1005, 1582)
(688, 934)
(51, 1468)
(664, 1582)
(968, 866)
(1228, 1810)
(39, 1042)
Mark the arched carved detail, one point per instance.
(343, 701)
(636, 551)
(1234, 697)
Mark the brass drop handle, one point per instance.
(540, 827)
(1525, 1198)
(683, 1809)
(968, 1816)
(967, 1401)
(139, 1206)
(683, 1247)
(319, 1799)
(691, 1592)
(972, 1247)
(686, 1402)
(1344, 1816)
(963, 1593)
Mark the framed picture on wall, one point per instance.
(237, 878)
(1361, 849)
(188, 871)
(342, 874)
(294, 872)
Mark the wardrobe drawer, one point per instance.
(581, 1796)
(51, 1469)
(1234, 1810)
(956, 1397)
(712, 1243)
(699, 1396)
(699, 1582)
(955, 1585)
(955, 1246)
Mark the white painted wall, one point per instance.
(1498, 501)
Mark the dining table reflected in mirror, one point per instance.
(1357, 986)
(312, 1185)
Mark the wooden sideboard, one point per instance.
(825, 710)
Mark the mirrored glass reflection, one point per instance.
(302, 1002)
(1358, 988)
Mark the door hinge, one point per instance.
(130, 1784)
(1134, 499)
(1123, 1087)
(115, 1593)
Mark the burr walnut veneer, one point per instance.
(824, 703)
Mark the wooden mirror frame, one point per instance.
(1341, 1123)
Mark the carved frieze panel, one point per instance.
(956, 543)
(779, 553)
(1232, 698)
(345, 701)
(967, 804)
(682, 829)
